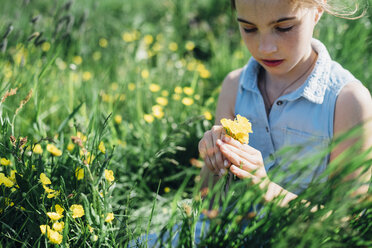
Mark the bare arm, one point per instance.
(354, 107)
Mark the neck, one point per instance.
(296, 75)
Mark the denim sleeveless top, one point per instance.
(302, 119)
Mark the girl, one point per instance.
(292, 92)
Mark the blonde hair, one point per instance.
(348, 9)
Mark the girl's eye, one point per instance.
(284, 29)
(249, 30)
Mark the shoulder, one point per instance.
(227, 97)
(232, 79)
(353, 106)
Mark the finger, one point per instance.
(232, 154)
(218, 157)
(227, 139)
(240, 173)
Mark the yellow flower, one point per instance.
(37, 149)
(45, 46)
(48, 190)
(87, 76)
(131, 86)
(109, 175)
(162, 101)
(110, 217)
(44, 179)
(188, 91)
(6, 181)
(58, 226)
(118, 119)
(145, 74)
(102, 147)
(154, 87)
(70, 147)
(157, 111)
(178, 90)
(4, 161)
(148, 39)
(77, 211)
(176, 97)
(89, 158)
(53, 194)
(148, 118)
(164, 93)
(97, 55)
(238, 129)
(189, 45)
(79, 173)
(59, 209)
(173, 46)
(204, 73)
(54, 237)
(77, 60)
(103, 42)
(167, 189)
(208, 115)
(81, 136)
(54, 216)
(44, 228)
(54, 150)
(187, 101)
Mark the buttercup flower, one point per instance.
(58, 226)
(79, 173)
(54, 216)
(77, 211)
(148, 118)
(6, 181)
(70, 147)
(118, 119)
(187, 101)
(110, 217)
(59, 209)
(102, 147)
(109, 175)
(54, 150)
(4, 161)
(238, 129)
(154, 87)
(37, 149)
(54, 237)
(44, 179)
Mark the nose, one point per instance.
(267, 44)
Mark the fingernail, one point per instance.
(222, 171)
(225, 163)
(219, 142)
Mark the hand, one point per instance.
(210, 152)
(246, 161)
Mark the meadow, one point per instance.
(103, 104)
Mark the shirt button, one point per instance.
(279, 103)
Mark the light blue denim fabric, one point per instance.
(302, 117)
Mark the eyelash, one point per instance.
(282, 30)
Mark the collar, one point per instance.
(313, 89)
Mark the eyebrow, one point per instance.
(273, 22)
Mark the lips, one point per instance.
(272, 62)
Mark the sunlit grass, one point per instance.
(108, 100)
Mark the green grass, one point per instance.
(93, 73)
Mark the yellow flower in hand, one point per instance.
(238, 129)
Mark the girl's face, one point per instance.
(277, 33)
